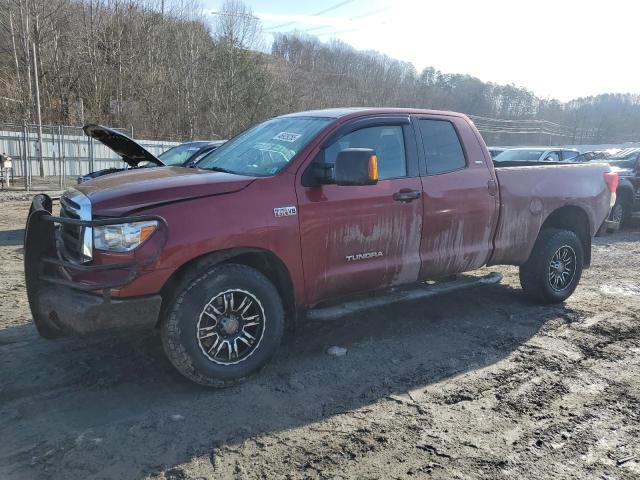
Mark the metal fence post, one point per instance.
(63, 167)
(53, 149)
(78, 169)
(91, 158)
(25, 154)
(53, 160)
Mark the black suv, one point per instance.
(627, 163)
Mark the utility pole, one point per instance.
(35, 74)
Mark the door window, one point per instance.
(552, 157)
(386, 141)
(442, 146)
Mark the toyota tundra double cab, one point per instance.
(296, 218)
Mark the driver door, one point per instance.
(361, 238)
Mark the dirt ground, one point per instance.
(478, 384)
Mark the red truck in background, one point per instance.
(298, 214)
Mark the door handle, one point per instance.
(406, 196)
(492, 187)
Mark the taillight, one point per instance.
(611, 179)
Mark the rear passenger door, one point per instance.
(460, 197)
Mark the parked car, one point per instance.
(136, 156)
(536, 154)
(495, 151)
(594, 155)
(296, 218)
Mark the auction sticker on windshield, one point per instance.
(287, 137)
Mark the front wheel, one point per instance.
(223, 326)
(553, 270)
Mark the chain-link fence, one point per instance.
(57, 156)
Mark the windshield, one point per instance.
(178, 155)
(265, 149)
(519, 156)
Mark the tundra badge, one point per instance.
(363, 256)
(285, 212)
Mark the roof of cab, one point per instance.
(361, 111)
(543, 149)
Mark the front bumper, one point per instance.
(62, 299)
(64, 311)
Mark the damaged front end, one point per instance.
(68, 287)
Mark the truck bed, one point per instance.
(530, 193)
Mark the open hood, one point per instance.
(131, 152)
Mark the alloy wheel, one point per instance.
(230, 327)
(562, 268)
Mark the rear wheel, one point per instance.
(617, 213)
(621, 211)
(223, 326)
(553, 270)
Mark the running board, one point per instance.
(396, 296)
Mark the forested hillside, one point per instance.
(175, 74)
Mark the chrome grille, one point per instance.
(76, 241)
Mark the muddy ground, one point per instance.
(478, 384)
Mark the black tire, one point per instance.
(181, 326)
(621, 209)
(536, 274)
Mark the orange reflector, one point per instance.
(373, 168)
(146, 232)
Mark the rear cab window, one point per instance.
(442, 147)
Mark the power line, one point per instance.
(372, 12)
(317, 14)
(351, 19)
(326, 10)
(336, 32)
(234, 14)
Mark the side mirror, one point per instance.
(356, 166)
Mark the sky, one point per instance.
(560, 49)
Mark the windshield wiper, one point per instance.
(220, 169)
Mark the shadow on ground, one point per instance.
(114, 407)
(11, 237)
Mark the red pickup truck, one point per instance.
(299, 214)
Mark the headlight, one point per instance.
(123, 237)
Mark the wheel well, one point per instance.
(576, 220)
(265, 261)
